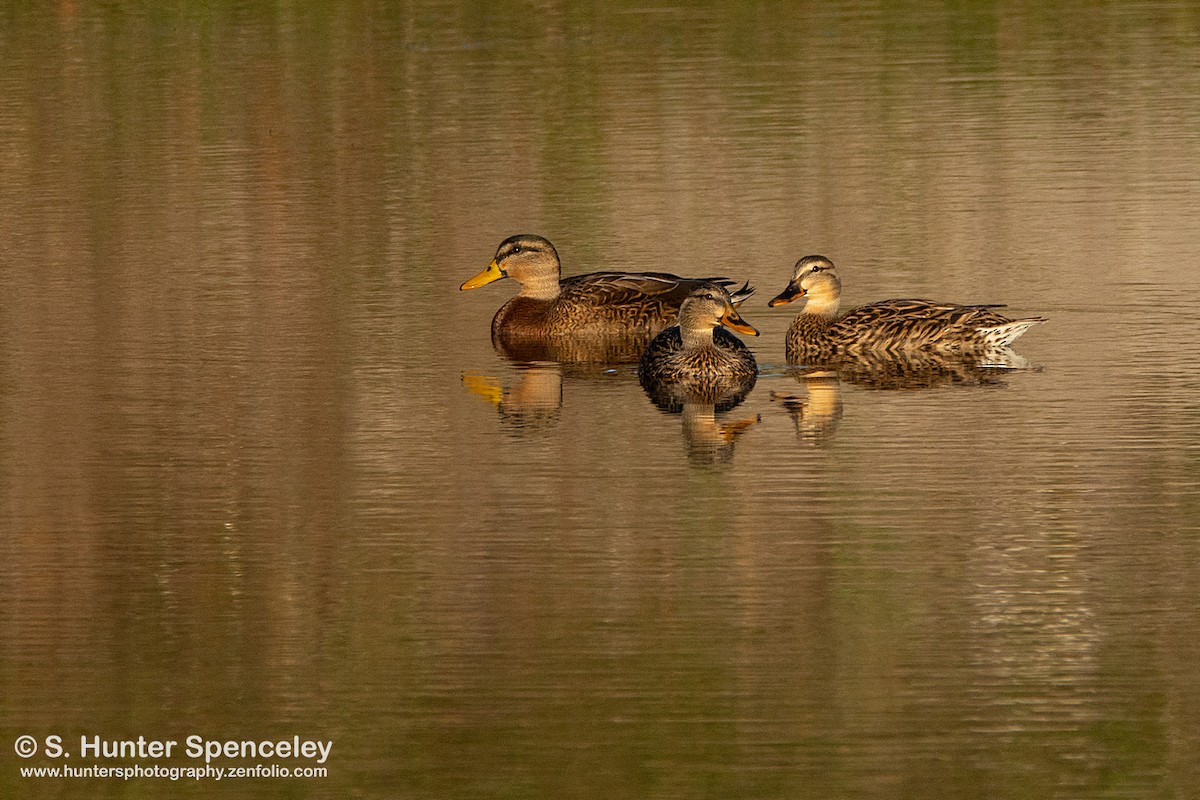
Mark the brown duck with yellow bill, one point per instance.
(600, 304)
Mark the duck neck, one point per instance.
(822, 307)
(696, 337)
(812, 326)
(540, 287)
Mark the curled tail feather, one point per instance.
(738, 296)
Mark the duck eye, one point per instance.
(817, 269)
(516, 249)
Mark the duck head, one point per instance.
(816, 280)
(704, 309)
(529, 260)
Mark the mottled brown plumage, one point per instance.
(887, 326)
(612, 305)
(698, 357)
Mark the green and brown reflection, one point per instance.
(711, 651)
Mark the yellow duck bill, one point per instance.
(492, 273)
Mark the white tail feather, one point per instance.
(738, 296)
(1006, 334)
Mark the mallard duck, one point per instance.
(599, 304)
(890, 325)
(698, 356)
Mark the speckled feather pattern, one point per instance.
(898, 325)
(711, 369)
(628, 304)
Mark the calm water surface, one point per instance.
(262, 473)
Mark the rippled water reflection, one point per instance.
(264, 474)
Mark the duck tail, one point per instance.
(738, 296)
(1009, 332)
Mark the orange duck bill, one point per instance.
(789, 294)
(732, 320)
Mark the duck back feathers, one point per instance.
(890, 326)
(923, 324)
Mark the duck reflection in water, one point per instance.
(923, 369)
(709, 439)
(708, 435)
(817, 409)
(532, 403)
(578, 355)
(699, 369)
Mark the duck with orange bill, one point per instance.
(699, 355)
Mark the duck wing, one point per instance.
(914, 310)
(634, 288)
(913, 322)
